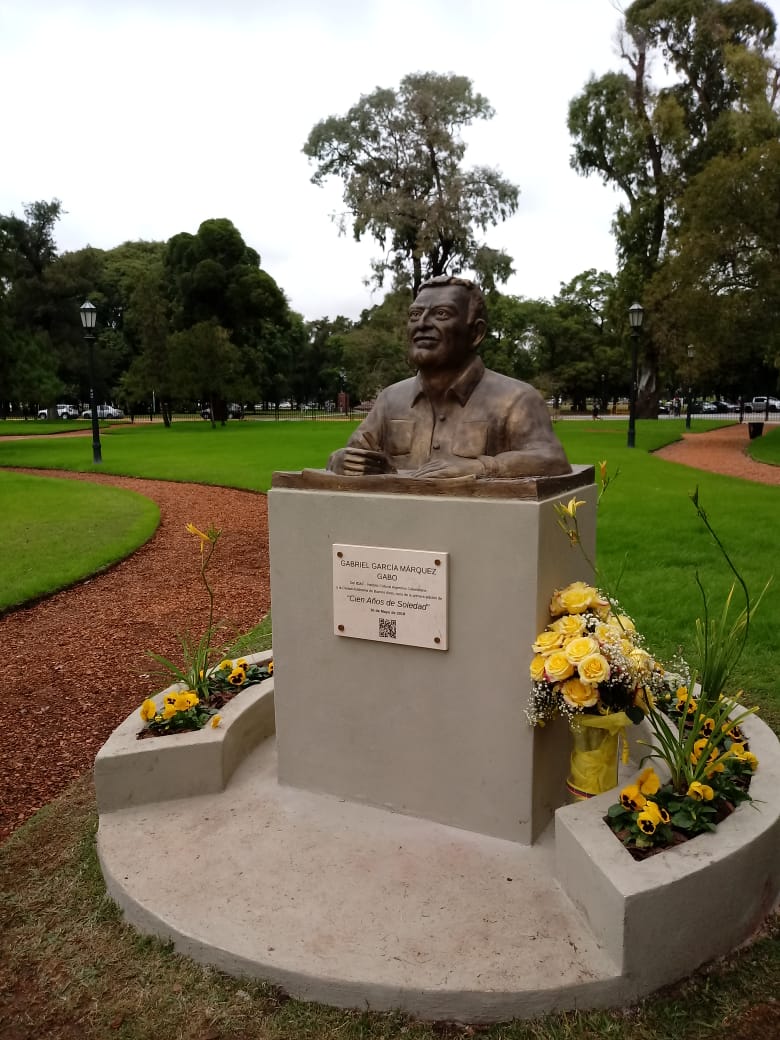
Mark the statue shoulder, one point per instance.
(510, 385)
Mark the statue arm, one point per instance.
(533, 450)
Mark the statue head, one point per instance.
(447, 322)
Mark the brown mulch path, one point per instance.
(74, 665)
(721, 451)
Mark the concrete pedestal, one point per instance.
(440, 735)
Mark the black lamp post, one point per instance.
(689, 407)
(635, 315)
(88, 317)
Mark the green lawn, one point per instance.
(71, 968)
(56, 532)
(767, 447)
(647, 526)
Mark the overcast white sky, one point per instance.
(146, 117)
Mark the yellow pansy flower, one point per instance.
(148, 710)
(700, 792)
(648, 781)
(215, 721)
(632, 798)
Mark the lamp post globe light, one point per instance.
(88, 318)
(635, 315)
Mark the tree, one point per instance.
(207, 365)
(27, 250)
(649, 141)
(374, 351)
(719, 292)
(399, 154)
(214, 276)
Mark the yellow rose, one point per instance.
(557, 666)
(577, 597)
(537, 668)
(578, 695)
(556, 607)
(594, 669)
(570, 625)
(640, 659)
(578, 649)
(625, 623)
(605, 633)
(546, 642)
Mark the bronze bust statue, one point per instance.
(455, 418)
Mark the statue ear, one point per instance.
(479, 330)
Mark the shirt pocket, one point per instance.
(399, 436)
(470, 439)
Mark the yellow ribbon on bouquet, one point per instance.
(594, 757)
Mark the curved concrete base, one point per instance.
(356, 906)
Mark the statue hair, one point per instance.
(477, 306)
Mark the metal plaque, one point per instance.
(390, 595)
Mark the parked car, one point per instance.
(104, 411)
(725, 406)
(763, 404)
(234, 411)
(64, 411)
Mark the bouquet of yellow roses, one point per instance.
(590, 661)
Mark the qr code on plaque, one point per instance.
(387, 628)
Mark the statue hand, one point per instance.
(359, 462)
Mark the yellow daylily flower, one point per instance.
(571, 507)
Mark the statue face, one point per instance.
(438, 329)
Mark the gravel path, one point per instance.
(721, 451)
(74, 666)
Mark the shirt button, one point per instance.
(436, 446)
(442, 418)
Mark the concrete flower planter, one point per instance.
(358, 906)
(130, 772)
(662, 917)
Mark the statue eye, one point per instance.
(415, 314)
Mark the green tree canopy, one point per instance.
(720, 98)
(399, 154)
